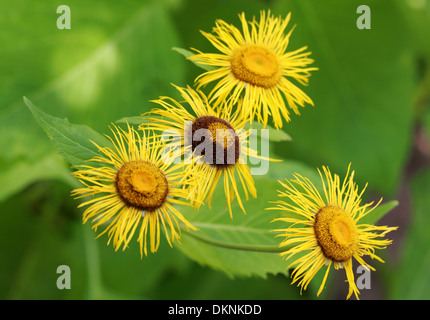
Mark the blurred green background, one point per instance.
(372, 99)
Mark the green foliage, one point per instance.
(379, 212)
(411, 279)
(214, 244)
(254, 228)
(77, 143)
(371, 89)
(357, 117)
(112, 77)
(187, 54)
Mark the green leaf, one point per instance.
(126, 273)
(254, 229)
(24, 172)
(137, 120)
(411, 279)
(275, 135)
(217, 286)
(362, 91)
(74, 141)
(417, 17)
(379, 212)
(42, 53)
(39, 234)
(41, 229)
(106, 67)
(188, 54)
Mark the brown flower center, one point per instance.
(216, 140)
(256, 65)
(143, 185)
(336, 233)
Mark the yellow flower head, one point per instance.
(325, 229)
(227, 140)
(132, 187)
(254, 64)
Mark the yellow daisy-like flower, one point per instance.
(254, 64)
(326, 230)
(221, 130)
(133, 187)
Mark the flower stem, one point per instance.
(95, 290)
(235, 246)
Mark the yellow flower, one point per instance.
(326, 230)
(132, 187)
(225, 159)
(254, 64)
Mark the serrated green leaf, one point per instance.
(104, 68)
(254, 228)
(73, 141)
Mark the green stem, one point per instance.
(93, 265)
(235, 246)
